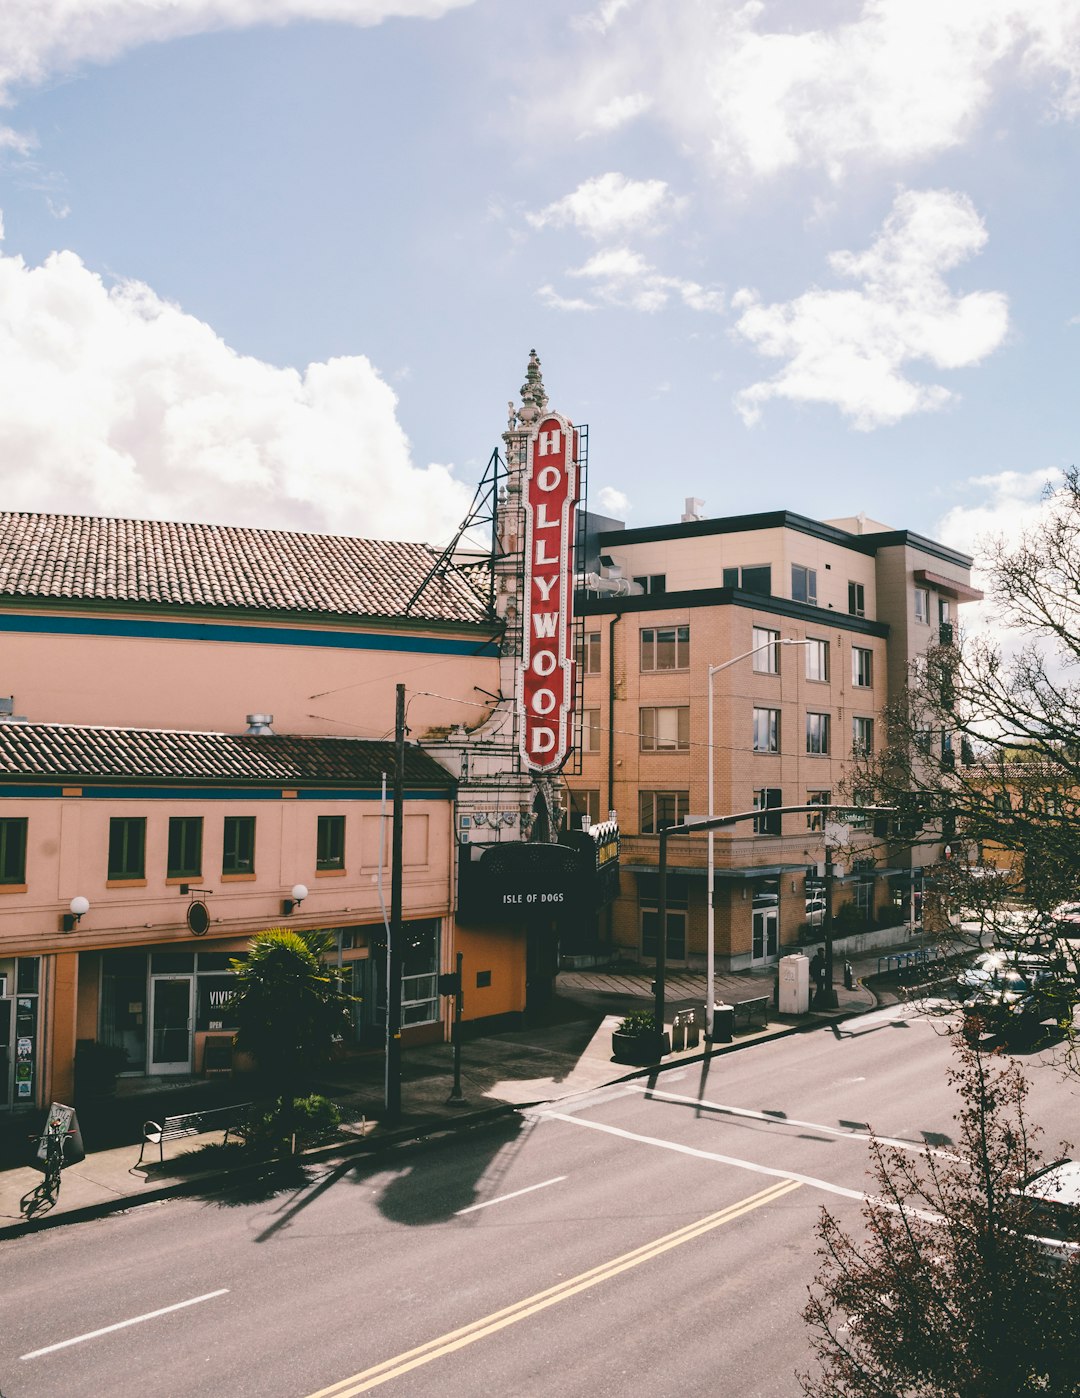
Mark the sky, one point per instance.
(281, 262)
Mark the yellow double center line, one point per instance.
(521, 1310)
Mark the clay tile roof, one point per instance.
(74, 753)
(80, 557)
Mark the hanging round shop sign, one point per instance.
(198, 919)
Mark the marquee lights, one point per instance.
(545, 682)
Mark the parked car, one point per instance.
(1054, 1223)
(815, 911)
(1067, 915)
(1006, 991)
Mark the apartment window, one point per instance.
(185, 847)
(330, 842)
(754, 579)
(922, 605)
(588, 655)
(803, 584)
(658, 810)
(238, 848)
(862, 667)
(765, 798)
(944, 611)
(664, 730)
(766, 730)
(652, 582)
(817, 734)
(127, 847)
(766, 649)
(589, 730)
(584, 805)
(665, 648)
(856, 599)
(817, 660)
(862, 736)
(13, 850)
(815, 820)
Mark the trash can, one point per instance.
(723, 1024)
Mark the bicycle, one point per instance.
(53, 1141)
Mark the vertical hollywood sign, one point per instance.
(546, 677)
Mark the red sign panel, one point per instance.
(546, 678)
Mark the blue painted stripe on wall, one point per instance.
(245, 635)
(216, 793)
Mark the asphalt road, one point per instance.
(655, 1238)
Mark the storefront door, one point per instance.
(170, 1024)
(766, 941)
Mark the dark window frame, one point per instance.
(127, 848)
(651, 818)
(13, 838)
(804, 581)
(648, 739)
(181, 861)
(768, 823)
(818, 743)
(330, 842)
(238, 845)
(653, 638)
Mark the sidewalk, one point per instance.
(566, 1049)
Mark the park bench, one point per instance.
(174, 1128)
(748, 1010)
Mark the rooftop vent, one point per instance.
(258, 725)
(7, 711)
(693, 510)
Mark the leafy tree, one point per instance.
(945, 1294)
(289, 1006)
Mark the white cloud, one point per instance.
(607, 205)
(760, 88)
(558, 302)
(620, 111)
(849, 347)
(1006, 503)
(622, 277)
(611, 502)
(49, 36)
(117, 402)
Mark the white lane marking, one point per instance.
(845, 1132)
(750, 1165)
(121, 1324)
(503, 1197)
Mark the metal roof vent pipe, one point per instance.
(258, 725)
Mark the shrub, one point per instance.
(312, 1119)
(639, 1022)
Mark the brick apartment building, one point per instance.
(820, 620)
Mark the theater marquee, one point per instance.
(545, 683)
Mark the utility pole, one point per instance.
(393, 958)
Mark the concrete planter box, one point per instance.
(639, 1048)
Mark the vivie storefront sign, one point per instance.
(545, 682)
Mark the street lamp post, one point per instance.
(710, 914)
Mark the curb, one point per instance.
(432, 1129)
